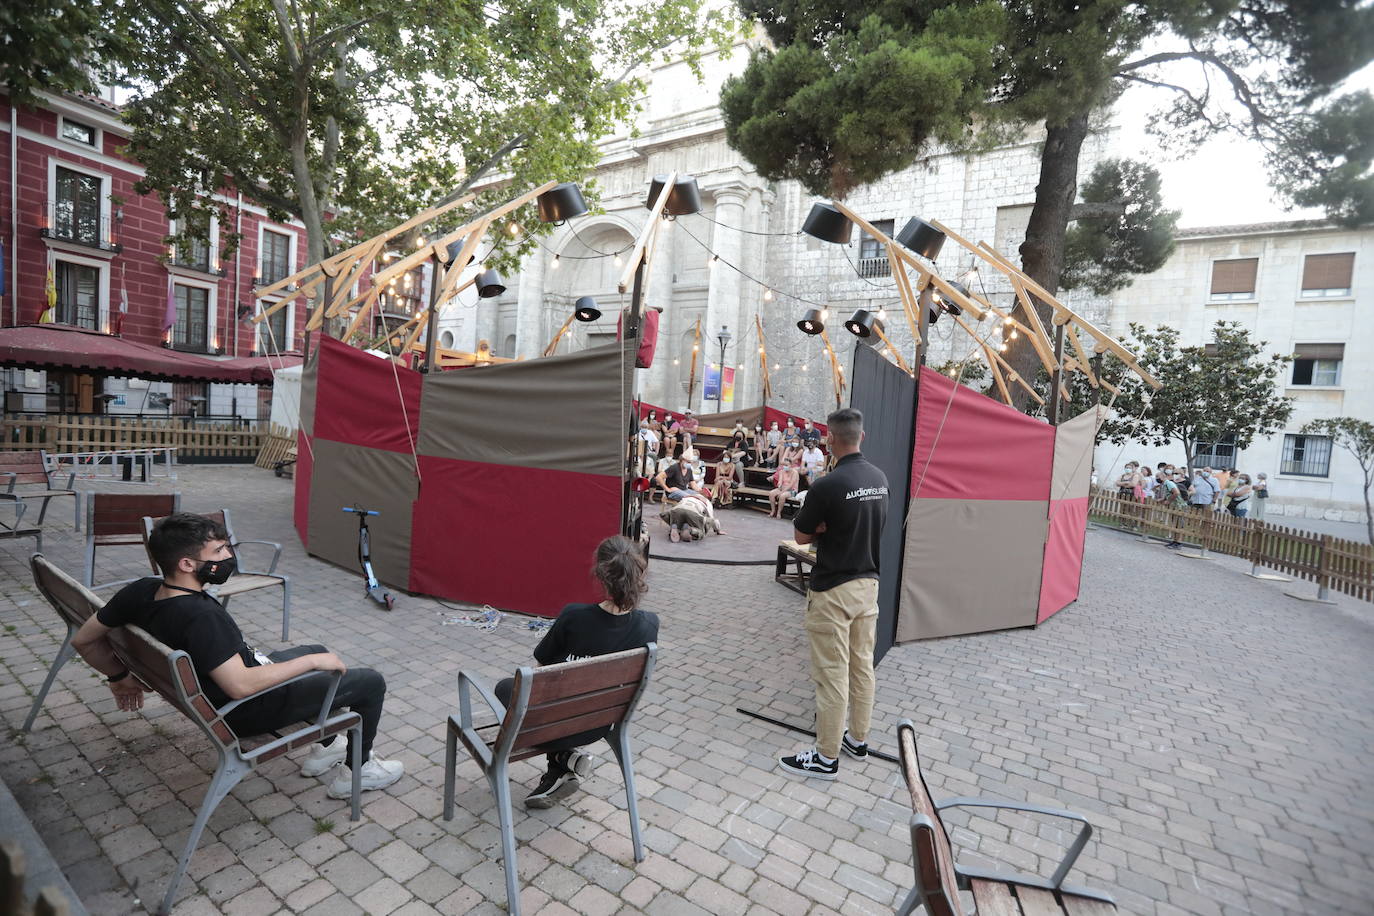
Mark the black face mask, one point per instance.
(217, 572)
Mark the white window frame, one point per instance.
(264, 227)
(211, 323)
(1224, 298)
(102, 285)
(214, 245)
(263, 342)
(106, 187)
(96, 145)
(1309, 295)
(1292, 383)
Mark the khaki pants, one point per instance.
(842, 625)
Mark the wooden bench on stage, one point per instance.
(939, 878)
(790, 552)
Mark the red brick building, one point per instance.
(67, 204)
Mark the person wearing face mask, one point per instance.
(193, 551)
(1238, 495)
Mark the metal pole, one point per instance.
(629, 514)
(720, 380)
(432, 332)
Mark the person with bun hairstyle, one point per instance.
(614, 624)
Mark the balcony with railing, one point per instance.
(80, 223)
(873, 267)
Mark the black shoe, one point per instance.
(808, 762)
(551, 789)
(1174, 545)
(856, 749)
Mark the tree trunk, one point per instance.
(1368, 512)
(1042, 253)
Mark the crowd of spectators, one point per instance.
(1204, 490)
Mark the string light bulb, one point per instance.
(711, 262)
(825, 314)
(618, 261)
(514, 229)
(882, 314)
(767, 294)
(803, 367)
(1013, 333)
(554, 265)
(419, 243)
(760, 351)
(695, 348)
(776, 367)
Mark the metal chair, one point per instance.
(116, 519)
(74, 603)
(549, 703)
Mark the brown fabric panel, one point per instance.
(970, 566)
(349, 475)
(565, 413)
(750, 416)
(1319, 351)
(1073, 456)
(309, 374)
(1328, 271)
(1235, 276)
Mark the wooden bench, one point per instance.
(547, 704)
(790, 552)
(939, 878)
(29, 470)
(170, 673)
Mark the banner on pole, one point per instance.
(712, 390)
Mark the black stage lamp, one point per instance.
(811, 322)
(455, 248)
(561, 203)
(683, 199)
(489, 284)
(860, 324)
(922, 238)
(949, 305)
(828, 224)
(585, 309)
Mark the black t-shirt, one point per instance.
(678, 479)
(811, 435)
(852, 501)
(585, 631)
(196, 624)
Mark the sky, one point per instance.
(1223, 182)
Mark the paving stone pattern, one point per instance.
(1216, 733)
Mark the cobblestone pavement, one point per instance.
(1217, 734)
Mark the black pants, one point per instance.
(558, 750)
(361, 690)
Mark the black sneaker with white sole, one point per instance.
(808, 762)
(856, 749)
(552, 788)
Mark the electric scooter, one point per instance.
(375, 591)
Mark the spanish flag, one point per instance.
(49, 294)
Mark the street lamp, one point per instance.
(724, 338)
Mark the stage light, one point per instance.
(489, 284)
(860, 324)
(684, 198)
(813, 322)
(828, 224)
(585, 309)
(949, 305)
(454, 249)
(922, 238)
(561, 203)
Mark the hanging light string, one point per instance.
(855, 267)
(769, 292)
(747, 231)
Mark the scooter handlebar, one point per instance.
(360, 511)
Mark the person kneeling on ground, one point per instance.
(193, 551)
(585, 631)
(691, 518)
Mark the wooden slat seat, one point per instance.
(26, 478)
(939, 877)
(798, 556)
(548, 704)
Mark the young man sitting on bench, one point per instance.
(193, 552)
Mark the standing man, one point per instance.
(844, 515)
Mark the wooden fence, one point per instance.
(194, 440)
(1332, 563)
(278, 445)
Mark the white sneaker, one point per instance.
(377, 774)
(323, 756)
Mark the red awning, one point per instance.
(51, 346)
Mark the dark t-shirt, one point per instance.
(678, 479)
(585, 631)
(811, 435)
(852, 501)
(196, 624)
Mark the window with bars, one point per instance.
(872, 258)
(1327, 275)
(1219, 453)
(192, 326)
(1306, 456)
(1318, 364)
(76, 207)
(276, 256)
(192, 252)
(78, 294)
(1234, 279)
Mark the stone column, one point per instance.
(530, 306)
(723, 299)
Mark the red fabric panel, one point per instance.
(771, 414)
(302, 469)
(645, 407)
(648, 337)
(975, 447)
(356, 400)
(1063, 556)
(519, 539)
